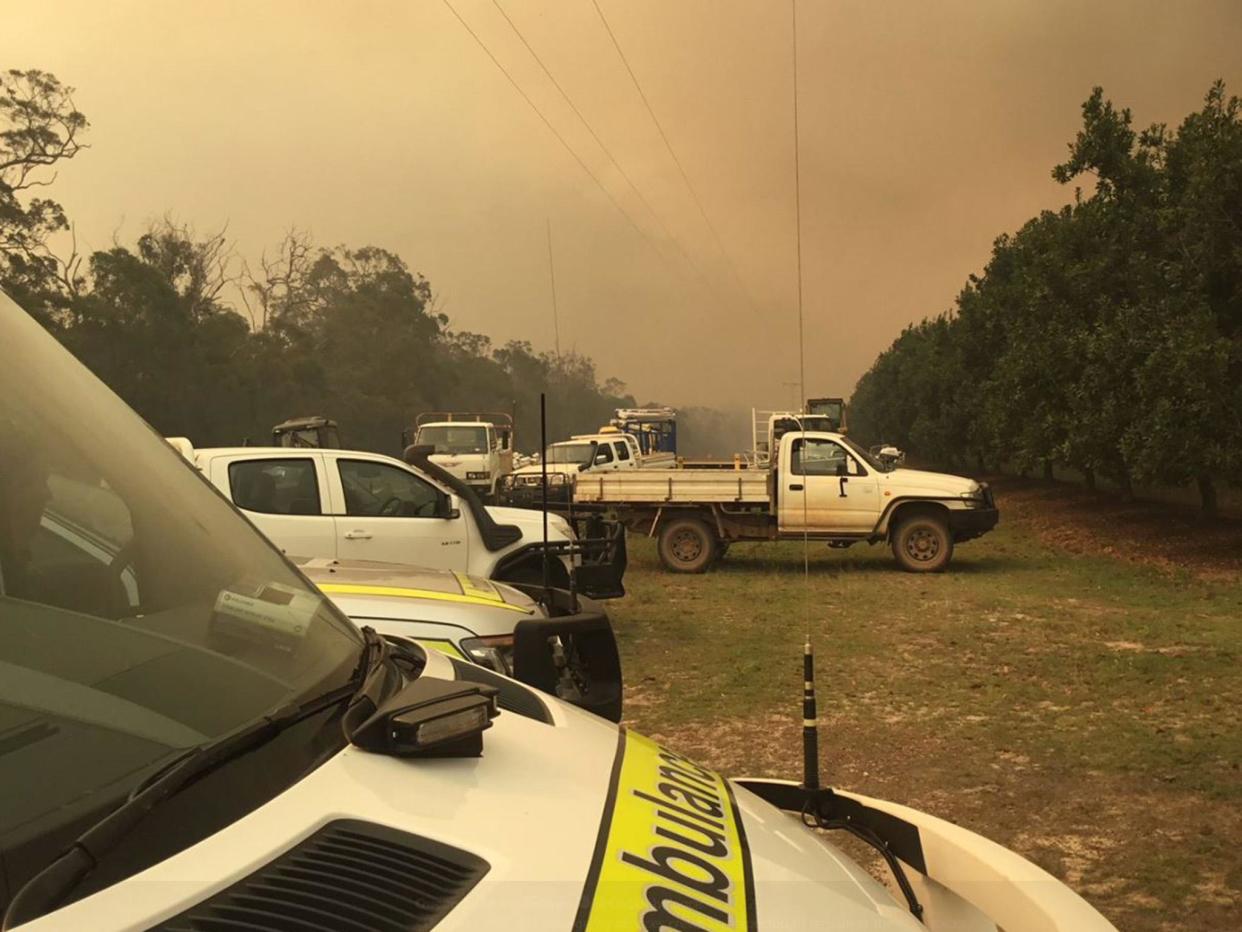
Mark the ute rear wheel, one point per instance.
(923, 544)
(687, 545)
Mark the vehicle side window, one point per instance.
(377, 490)
(603, 453)
(817, 457)
(623, 451)
(275, 487)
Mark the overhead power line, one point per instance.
(673, 154)
(604, 148)
(559, 138)
(793, 4)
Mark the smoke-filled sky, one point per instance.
(927, 128)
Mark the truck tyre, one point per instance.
(687, 545)
(923, 544)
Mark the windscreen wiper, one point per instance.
(48, 889)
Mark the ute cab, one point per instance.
(194, 737)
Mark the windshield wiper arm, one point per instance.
(47, 889)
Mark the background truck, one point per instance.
(477, 448)
(655, 429)
(820, 485)
(314, 431)
(831, 408)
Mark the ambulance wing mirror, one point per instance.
(574, 658)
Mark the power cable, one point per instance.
(604, 148)
(559, 138)
(676, 161)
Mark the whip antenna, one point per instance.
(810, 723)
(543, 483)
(810, 726)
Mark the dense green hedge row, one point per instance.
(1105, 337)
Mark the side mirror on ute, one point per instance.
(573, 657)
(448, 508)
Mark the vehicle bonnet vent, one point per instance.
(349, 875)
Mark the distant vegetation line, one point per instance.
(1104, 338)
(204, 346)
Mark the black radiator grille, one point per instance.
(349, 875)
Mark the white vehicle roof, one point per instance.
(601, 438)
(457, 424)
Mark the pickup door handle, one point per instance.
(357, 535)
(797, 487)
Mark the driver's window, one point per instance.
(376, 490)
(603, 453)
(818, 457)
(623, 452)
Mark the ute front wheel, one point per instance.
(687, 545)
(923, 544)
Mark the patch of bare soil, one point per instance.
(1169, 537)
(1127, 846)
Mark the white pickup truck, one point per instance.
(584, 453)
(820, 485)
(352, 505)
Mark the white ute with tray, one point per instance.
(818, 485)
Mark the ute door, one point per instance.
(386, 512)
(841, 494)
(285, 498)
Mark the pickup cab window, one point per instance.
(815, 456)
(377, 490)
(275, 487)
(623, 451)
(603, 454)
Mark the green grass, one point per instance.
(1082, 710)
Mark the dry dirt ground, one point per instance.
(1071, 688)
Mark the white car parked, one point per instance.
(353, 505)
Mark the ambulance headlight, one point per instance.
(495, 652)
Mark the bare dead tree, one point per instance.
(277, 290)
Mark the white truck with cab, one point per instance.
(820, 485)
(477, 448)
(216, 746)
(354, 505)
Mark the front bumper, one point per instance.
(531, 496)
(604, 557)
(972, 522)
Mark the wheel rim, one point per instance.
(686, 546)
(923, 545)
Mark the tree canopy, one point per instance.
(1105, 337)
